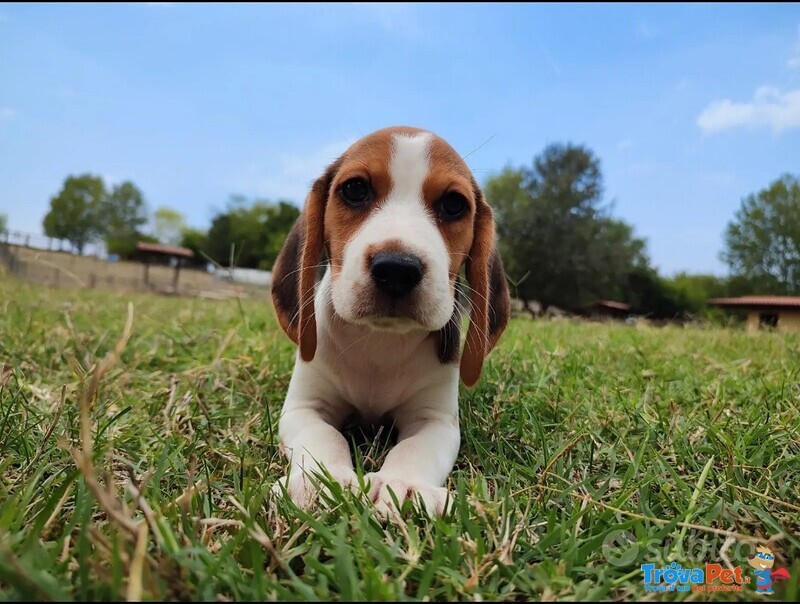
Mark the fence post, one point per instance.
(175, 276)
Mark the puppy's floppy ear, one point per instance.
(295, 272)
(489, 296)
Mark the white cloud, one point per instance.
(160, 3)
(770, 108)
(7, 114)
(625, 143)
(794, 63)
(290, 175)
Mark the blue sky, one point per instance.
(689, 108)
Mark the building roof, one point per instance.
(757, 302)
(611, 304)
(166, 250)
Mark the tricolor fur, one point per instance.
(377, 354)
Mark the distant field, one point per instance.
(577, 433)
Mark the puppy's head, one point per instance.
(399, 214)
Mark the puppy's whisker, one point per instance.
(356, 342)
(300, 308)
(472, 291)
(290, 273)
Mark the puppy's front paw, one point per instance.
(299, 488)
(304, 487)
(436, 500)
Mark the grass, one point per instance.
(685, 440)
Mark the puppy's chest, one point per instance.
(375, 380)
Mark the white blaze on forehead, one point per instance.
(409, 165)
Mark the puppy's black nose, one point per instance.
(396, 274)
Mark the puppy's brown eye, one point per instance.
(452, 206)
(355, 192)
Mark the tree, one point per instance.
(254, 232)
(76, 212)
(220, 238)
(125, 211)
(3, 223)
(279, 220)
(762, 243)
(698, 289)
(197, 241)
(651, 295)
(168, 224)
(559, 244)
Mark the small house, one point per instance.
(777, 312)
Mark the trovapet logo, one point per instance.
(711, 577)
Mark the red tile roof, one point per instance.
(758, 301)
(166, 250)
(612, 304)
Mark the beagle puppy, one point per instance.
(397, 216)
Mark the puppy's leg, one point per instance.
(427, 447)
(309, 430)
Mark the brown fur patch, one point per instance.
(286, 280)
(295, 272)
(369, 159)
(499, 299)
(447, 172)
(489, 297)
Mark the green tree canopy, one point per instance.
(168, 225)
(254, 231)
(76, 212)
(197, 241)
(762, 243)
(699, 288)
(124, 213)
(558, 243)
(651, 295)
(3, 223)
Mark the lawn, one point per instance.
(587, 450)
